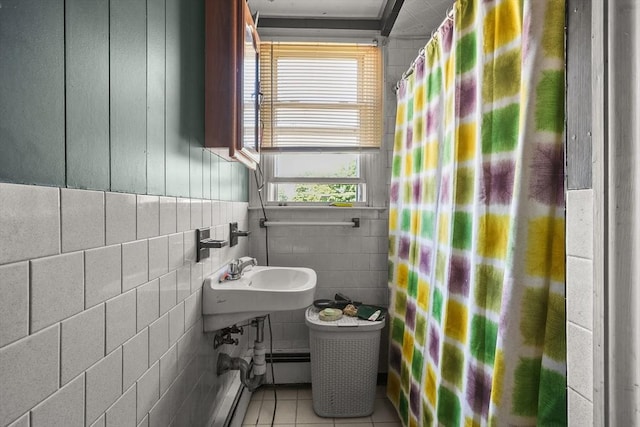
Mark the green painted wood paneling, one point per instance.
(32, 133)
(215, 177)
(206, 174)
(87, 92)
(225, 180)
(155, 96)
(176, 125)
(132, 75)
(128, 71)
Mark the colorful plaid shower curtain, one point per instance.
(476, 218)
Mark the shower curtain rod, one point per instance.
(421, 52)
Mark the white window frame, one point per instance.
(268, 165)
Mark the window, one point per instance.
(322, 108)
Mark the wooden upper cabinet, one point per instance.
(232, 52)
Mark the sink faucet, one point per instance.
(237, 267)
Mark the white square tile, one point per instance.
(103, 385)
(135, 264)
(102, 274)
(183, 211)
(57, 289)
(82, 216)
(121, 319)
(579, 410)
(135, 358)
(148, 390)
(100, 422)
(184, 282)
(176, 323)
(190, 246)
(168, 292)
(168, 368)
(148, 216)
(23, 421)
(187, 348)
(192, 309)
(176, 251)
(580, 223)
(158, 338)
(148, 303)
(580, 360)
(168, 215)
(158, 256)
(196, 213)
(123, 411)
(82, 342)
(14, 304)
(29, 214)
(63, 408)
(29, 372)
(196, 276)
(144, 422)
(120, 217)
(580, 291)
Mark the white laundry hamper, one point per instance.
(344, 364)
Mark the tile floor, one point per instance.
(295, 409)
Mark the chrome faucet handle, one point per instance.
(234, 266)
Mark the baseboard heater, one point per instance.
(288, 357)
(306, 358)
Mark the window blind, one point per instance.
(320, 96)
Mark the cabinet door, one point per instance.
(231, 81)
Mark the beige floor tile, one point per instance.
(257, 395)
(364, 424)
(384, 412)
(381, 392)
(253, 411)
(358, 420)
(398, 424)
(305, 414)
(304, 393)
(283, 394)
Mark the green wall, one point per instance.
(108, 95)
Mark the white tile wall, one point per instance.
(29, 214)
(82, 339)
(135, 358)
(579, 286)
(123, 412)
(103, 385)
(14, 304)
(29, 369)
(121, 319)
(120, 217)
(135, 264)
(102, 274)
(57, 289)
(92, 319)
(158, 256)
(147, 216)
(82, 217)
(63, 408)
(148, 388)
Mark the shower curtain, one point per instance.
(476, 264)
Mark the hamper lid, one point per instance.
(345, 322)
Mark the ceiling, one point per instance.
(395, 18)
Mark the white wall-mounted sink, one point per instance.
(260, 291)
